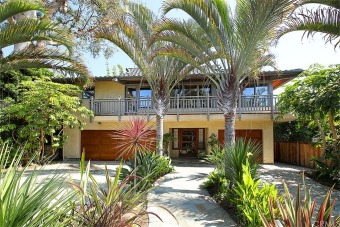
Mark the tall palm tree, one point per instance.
(325, 19)
(228, 46)
(132, 33)
(30, 32)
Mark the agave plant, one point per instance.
(295, 213)
(26, 199)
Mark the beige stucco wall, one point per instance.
(72, 148)
(107, 90)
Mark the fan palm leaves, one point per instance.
(132, 32)
(324, 19)
(33, 31)
(228, 46)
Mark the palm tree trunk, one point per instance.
(227, 96)
(229, 128)
(159, 134)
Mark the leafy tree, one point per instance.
(26, 34)
(295, 131)
(227, 46)
(45, 108)
(83, 18)
(325, 19)
(315, 97)
(132, 33)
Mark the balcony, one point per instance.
(183, 105)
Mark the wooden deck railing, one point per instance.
(182, 105)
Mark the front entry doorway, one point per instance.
(189, 141)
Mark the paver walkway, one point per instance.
(181, 193)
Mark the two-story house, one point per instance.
(193, 115)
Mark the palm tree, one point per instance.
(325, 19)
(26, 34)
(132, 33)
(228, 46)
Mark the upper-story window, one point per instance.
(88, 93)
(191, 90)
(255, 90)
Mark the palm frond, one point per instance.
(321, 20)
(13, 7)
(34, 30)
(331, 3)
(46, 58)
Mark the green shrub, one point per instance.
(250, 198)
(26, 200)
(149, 167)
(216, 158)
(113, 204)
(293, 212)
(238, 155)
(217, 183)
(328, 167)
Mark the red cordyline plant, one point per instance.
(135, 135)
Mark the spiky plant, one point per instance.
(27, 199)
(110, 205)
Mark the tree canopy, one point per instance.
(41, 111)
(315, 97)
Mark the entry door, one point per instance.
(189, 141)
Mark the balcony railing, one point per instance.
(182, 105)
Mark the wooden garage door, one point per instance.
(255, 135)
(104, 146)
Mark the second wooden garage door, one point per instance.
(103, 145)
(255, 135)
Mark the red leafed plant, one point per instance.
(135, 135)
(294, 213)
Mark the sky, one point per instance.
(292, 51)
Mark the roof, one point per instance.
(134, 75)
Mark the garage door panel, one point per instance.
(104, 145)
(89, 141)
(255, 135)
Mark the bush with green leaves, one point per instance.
(112, 204)
(250, 198)
(297, 212)
(29, 200)
(148, 168)
(328, 167)
(238, 155)
(231, 159)
(217, 184)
